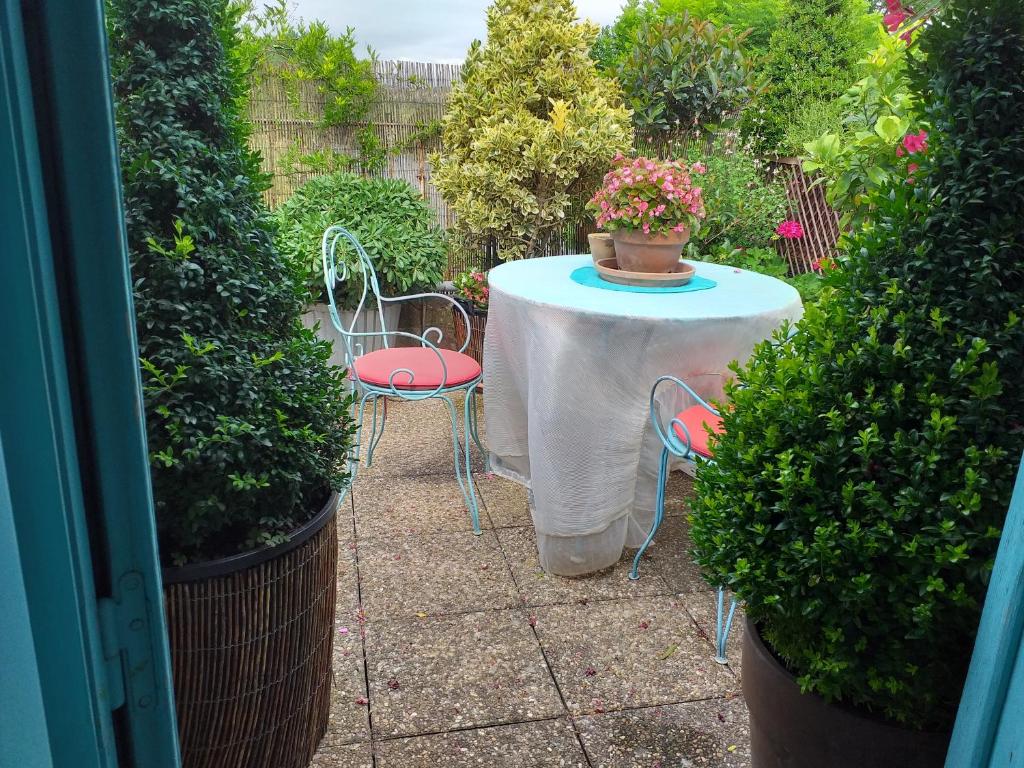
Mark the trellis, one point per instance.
(414, 95)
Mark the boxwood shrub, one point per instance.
(248, 427)
(867, 465)
(394, 224)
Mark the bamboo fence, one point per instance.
(412, 95)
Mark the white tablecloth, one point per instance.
(568, 370)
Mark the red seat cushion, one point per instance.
(695, 418)
(376, 368)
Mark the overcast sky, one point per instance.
(422, 30)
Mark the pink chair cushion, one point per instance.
(695, 418)
(376, 368)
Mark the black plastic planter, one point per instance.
(790, 729)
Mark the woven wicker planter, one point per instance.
(250, 640)
(478, 324)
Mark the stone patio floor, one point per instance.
(458, 650)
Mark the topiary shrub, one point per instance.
(867, 465)
(812, 56)
(394, 224)
(248, 428)
(530, 128)
(683, 76)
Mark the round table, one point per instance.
(568, 371)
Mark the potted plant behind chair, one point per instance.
(248, 427)
(395, 225)
(650, 207)
(866, 465)
(472, 293)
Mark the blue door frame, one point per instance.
(87, 647)
(989, 730)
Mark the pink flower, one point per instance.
(916, 142)
(911, 167)
(900, 152)
(820, 265)
(893, 20)
(699, 168)
(789, 229)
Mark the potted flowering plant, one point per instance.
(472, 293)
(650, 207)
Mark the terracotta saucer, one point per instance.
(608, 269)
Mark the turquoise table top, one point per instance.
(738, 293)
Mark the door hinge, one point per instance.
(124, 628)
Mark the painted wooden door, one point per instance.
(82, 638)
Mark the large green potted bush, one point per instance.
(248, 426)
(858, 492)
(395, 226)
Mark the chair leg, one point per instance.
(373, 432)
(357, 447)
(471, 411)
(463, 474)
(659, 513)
(377, 435)
(722, 628)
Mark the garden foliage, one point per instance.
(867, 464)
(870, 149)
(393, 223)
(744, 204)
(530, 127)
(683, 76)
(247, 425)
(758, 18)
(812, 56)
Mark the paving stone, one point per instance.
(620, 654)
(703, 734)
(669, 557)
(349, 721)
(436, 674)
(506, 502)
(544, 744)
(443, 573)
(343, 756)
(411, 505)
(540, 588)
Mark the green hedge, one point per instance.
(393, 223)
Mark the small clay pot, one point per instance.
(601, 246)
(639, 252)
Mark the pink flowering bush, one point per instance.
(471, 286)
(652, 196)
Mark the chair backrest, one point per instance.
(340, 266)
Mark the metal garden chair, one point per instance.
(413, 373)
(686, 437)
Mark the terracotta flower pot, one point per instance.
(637, 252)
(601, 246)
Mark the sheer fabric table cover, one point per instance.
(568, 371)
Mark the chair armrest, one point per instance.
(666, 440)
(433, 329)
